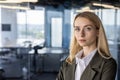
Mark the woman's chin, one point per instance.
(82, 45)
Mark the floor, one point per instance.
(40, 76)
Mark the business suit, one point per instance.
(99, 68)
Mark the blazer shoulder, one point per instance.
(110, 62)
(106, 60)
(66, 64)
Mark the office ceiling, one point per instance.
(75, 3)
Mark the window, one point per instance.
(56, 33)
(30, 27)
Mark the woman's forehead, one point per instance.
(82, 21)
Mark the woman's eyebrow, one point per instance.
(84, 26)
(76, 26)
(88, 25)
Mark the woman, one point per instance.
(89, 57)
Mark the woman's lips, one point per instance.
(82, 40)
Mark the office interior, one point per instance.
(35, 35)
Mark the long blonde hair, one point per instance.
(102, 44)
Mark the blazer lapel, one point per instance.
(88, 74)
(70, 70)
(73, 69)
(92, 68)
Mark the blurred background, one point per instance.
(35, 35)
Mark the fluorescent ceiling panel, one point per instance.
(17, 1)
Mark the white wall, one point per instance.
(8, 16)
(0, 28)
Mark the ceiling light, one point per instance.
(14, 7)
(86, 8)
(17, 1)
(29, 0)
(105, 5)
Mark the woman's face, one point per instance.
(85, 32)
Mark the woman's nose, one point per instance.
(82, 33)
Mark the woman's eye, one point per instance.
(77, 29)
(88, 28)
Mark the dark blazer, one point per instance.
(99, 68)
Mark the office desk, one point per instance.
(50, 58)
(11, 62)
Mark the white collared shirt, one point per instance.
(82, 63)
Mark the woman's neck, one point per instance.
(87, 50)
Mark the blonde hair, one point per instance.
(102, 44)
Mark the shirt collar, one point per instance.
(87, 58)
